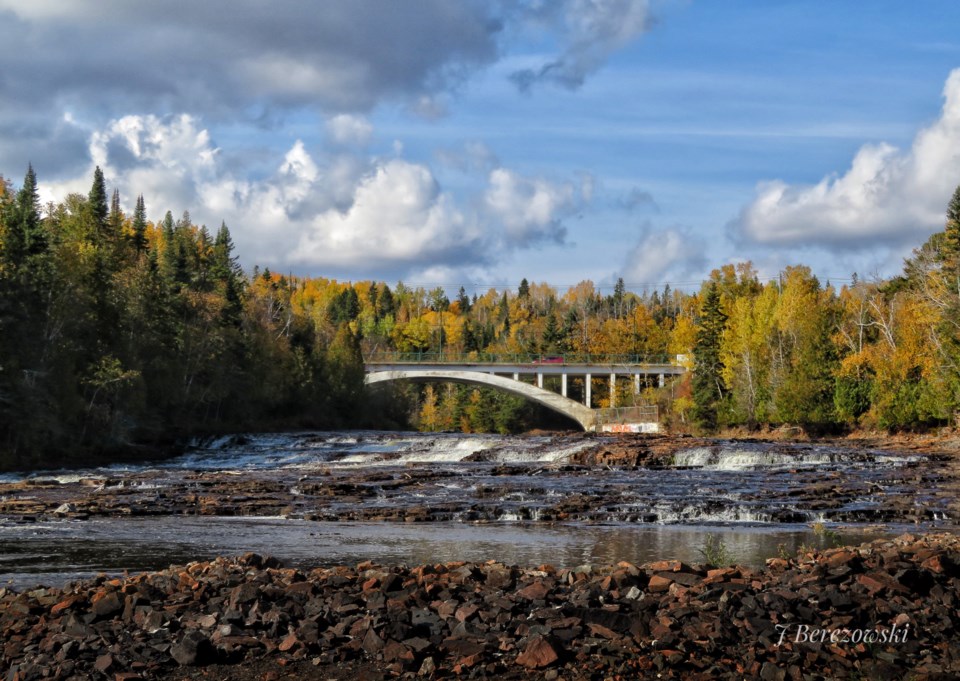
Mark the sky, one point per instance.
(476, 143)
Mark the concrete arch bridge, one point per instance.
(506, 376)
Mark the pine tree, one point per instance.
(97, 200)
(708, 388)
(31, 232)
(464, 300)
(139, 237)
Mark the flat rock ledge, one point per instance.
(884, 610)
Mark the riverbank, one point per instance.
(887, 609)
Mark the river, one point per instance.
(314, 499)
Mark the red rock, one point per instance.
(105, 603)
(64, 605)
(288, 643)
(538, 653)
(103, 663)
(394, 651)
(659, 583)
(535, 591)
(372, 643)
(603, 631)
(465, 612)
(665, 566)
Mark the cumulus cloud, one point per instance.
(399, 216)
(589, 32)
(885, 195)
(661, 255)
(334, 214)
(530, 209)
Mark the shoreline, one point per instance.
(249, 618)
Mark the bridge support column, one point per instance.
(563, 384)
(586, 391)
(613, 390)
(662, 380)
(539, 379)
(516, 376)
(636, 384)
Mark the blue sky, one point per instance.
(476, 143)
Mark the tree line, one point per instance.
(117, 331)
(119, 335)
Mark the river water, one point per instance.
(314, 499)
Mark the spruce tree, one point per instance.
(97, 200)
(27, 216)
(708, 389)
(139, 237)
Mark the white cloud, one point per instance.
(335, 214)
(530, 210)
(659, 256)
(347, 129)
(886, 194)
(399, 215)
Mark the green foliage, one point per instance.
(708, 388)
(715, 552)
(851, 397)
(115, 330)
(116, 334)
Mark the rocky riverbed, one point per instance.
(890, 608)
(634, 479)
(887, 609)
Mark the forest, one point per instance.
(120, 336)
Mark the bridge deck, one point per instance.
(546, 369)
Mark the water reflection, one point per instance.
(51, 553)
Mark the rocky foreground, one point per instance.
(249, 618)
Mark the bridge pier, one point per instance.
(613, 390)
(539, 379)
(586, 390)
(563, 384)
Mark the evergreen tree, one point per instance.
(708, 388)
(97, 202)
(139, 237)
(386, 307)
(26, 236)
(464, 301)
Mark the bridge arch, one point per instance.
(558, 403)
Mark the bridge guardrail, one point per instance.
(519, 358)
(646, 413)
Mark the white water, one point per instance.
(728, 458)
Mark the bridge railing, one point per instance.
(513, 358)
(646, 413)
